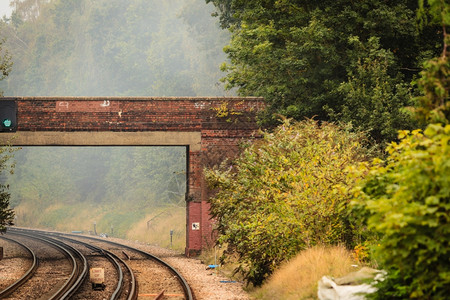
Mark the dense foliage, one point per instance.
(433, 104)
(337, 60)
(113, 48)
(6, 214)
(6, 165)
(279, 196)
(408, 201)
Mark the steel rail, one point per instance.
(113, 258)
(28, 274)
(180, 278)
(78, 273)
(185, 286)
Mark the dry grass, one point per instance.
(155, 228)
(297, 279)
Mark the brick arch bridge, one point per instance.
(209, 128)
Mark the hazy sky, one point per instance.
(4, 8)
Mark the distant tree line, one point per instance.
(113, 48)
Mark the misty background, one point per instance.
(109, 48)
(113, 48)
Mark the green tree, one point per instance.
(434, 81)
(302, 56)
(279, 196)
(6, 213)
(374, 100)
(407, 203)
(406, 199)
(5, 62)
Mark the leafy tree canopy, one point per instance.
(407, 199)
(6, 213)
(331, 59)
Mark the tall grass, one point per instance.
(297, 278)
(148, 225)
(155, 228)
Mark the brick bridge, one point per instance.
(209, 128)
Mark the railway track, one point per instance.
(28, 273)
(63, 284)
(135, 269)
(126, 279)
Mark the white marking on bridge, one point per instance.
(105, 103)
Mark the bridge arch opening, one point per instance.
(134, 192)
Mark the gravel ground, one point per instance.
(205, 284)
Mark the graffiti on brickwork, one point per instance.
(63, 104)
(105, 103)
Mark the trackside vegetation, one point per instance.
(6, 165)
(310, 182)
(406, 197)
(6, 214)
(280, 197)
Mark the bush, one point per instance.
(407, 199)
(279, 196)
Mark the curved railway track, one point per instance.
(127, 286)
(73, 281)
(121, 267)
(27, 275)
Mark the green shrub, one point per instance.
(407, 199)
(279, 196)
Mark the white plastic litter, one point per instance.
(349, 287)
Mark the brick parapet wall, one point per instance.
(135, 114)
(222, 122)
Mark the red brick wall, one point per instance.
(222, 122)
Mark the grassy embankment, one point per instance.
(145, 225)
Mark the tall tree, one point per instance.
(5, 62)
(6, 213)
(434, 81)
(306, 57)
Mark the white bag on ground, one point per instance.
(349, 287)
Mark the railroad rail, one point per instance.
(76, 258)
(28, 274)
(117, 262)
(133, 285)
